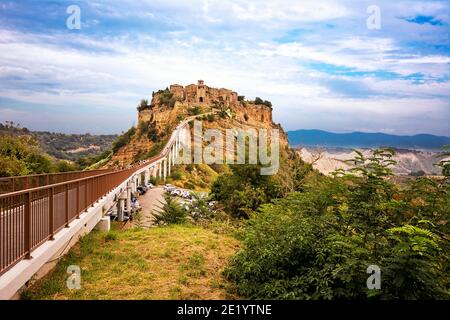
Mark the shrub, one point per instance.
(244, 190)
(199, 208)
(123, 139)
(170, 212)
(318, 243)
(22, 155)
(143, 105)
(258, 100)
(176, 175)
(194, 111)
(166, 98)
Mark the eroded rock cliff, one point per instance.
(168, 107)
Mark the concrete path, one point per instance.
(150, 202)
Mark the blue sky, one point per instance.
(315, 60)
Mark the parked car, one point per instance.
(176, 192)
(150, 185)
(185, 194)
(141, 190)
(168, 187)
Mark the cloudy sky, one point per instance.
(317, 61)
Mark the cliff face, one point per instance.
(168, 107)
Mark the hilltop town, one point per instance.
(168, 107)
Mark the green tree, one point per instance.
(318, 243)
(170, 212)
(244, 189)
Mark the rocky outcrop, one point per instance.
(168, 107)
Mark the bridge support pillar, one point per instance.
(129, 199)
(104, 224)
(121, 209)
(165, 169)
(170, 161)
(147, 176)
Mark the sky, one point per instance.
(319, 61)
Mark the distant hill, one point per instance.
(63, 146)
(365, 140)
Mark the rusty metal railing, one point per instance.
(30, 217)
(13, 184)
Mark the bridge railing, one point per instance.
(30, 217)
(13, 184)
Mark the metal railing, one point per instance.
(32, 216)
(13, 184)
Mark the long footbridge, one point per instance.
(35, 209)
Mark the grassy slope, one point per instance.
(176, 262)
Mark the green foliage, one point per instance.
(60, 145)
(85, 162)
(123, 139)
(64, 166)
(176, 175)
(166, 98)
(143, 105)
(149, 129)
(199, 208)
(211, 117)
(259, 101)
(22, 156)
(156, 149)
(413, 269)
(171, 212)
(318, 243)
(244, 190)
(194, 111)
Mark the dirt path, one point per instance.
(150, 202)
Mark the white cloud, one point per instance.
(234, 44)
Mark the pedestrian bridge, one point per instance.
(41, 216)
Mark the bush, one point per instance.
(199, 208)
(244, 190)
(22, 155)
(167, 98)
(65, 166)
(143, 105)
(176, 175)
(194, 111)
(318, 243)
(258, 100)
(170, 212)
(123, 139)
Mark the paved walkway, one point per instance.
(150, 202)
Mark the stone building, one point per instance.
(201, 94)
